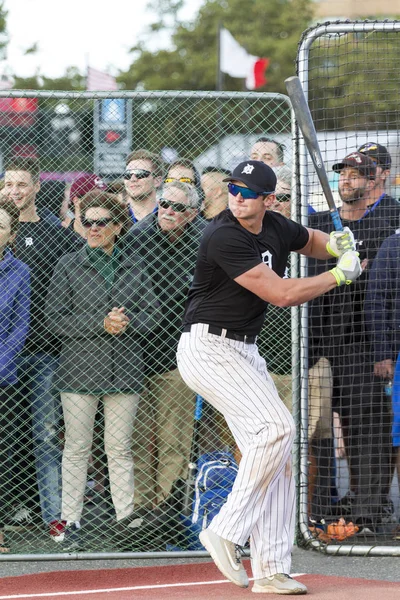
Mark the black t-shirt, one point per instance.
(40, 245)
(337, 319)
(228, 250)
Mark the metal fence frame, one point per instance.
(301, 168)
(150, 95)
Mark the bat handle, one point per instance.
(198, 410)
(337, 223)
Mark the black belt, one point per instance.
(231, 335)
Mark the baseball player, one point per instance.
(240, 266)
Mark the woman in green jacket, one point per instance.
(100, 304)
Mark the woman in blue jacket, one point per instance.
(14, 324)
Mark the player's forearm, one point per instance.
(292, 292)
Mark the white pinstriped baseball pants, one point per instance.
(233, 377)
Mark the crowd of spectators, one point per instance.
(94, 277)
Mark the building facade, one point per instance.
(356, 9)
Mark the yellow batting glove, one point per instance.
(347, 269)
(340, 242)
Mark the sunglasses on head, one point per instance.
(181, 179)
(245, 192)
(176, 206)
(88, 223)
(138, 173)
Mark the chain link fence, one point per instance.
(101, 441)
(349, 341)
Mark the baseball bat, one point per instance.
(306, 124)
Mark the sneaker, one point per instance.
(344, 506)
(280, 583)
(21, 518)
(366, 527)
(72, 539)
(387, 515)
(127, 531)
(57, 530)
(226, 556)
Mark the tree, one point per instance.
(71, 80)
(3, 30)
(354, 81)
(267, 28)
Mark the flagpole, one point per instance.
(86, 69)
(220, 76)
(219, 87)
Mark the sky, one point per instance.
(78, 32)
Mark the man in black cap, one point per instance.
(383, 161)
(337, 331)
(240, 270)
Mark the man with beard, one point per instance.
(143, 176)
(381, 157)
(338, 333)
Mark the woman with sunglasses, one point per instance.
(100, 304)
(14, 325)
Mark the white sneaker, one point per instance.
(226, 557)
(280, 583)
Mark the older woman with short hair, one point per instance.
(100, 304)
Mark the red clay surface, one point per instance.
(179, 582)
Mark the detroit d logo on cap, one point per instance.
(248, 169)
(355, 156)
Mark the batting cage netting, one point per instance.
(104, 198)
(103, 447)
(350, 342)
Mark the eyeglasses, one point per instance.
(176, 206)
(283, 197)
(245, 192)
(138, 173)
(88, 223)
(181, 179)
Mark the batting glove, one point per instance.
(347, 269)
(341, 242)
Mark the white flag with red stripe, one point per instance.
(237, 62)
(98, 81)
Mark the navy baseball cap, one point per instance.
(258, 176)
(363, 163)
(378, 153)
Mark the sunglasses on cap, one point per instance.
(245, 192)
(176, 206)
(181, 179)
(88, 223)
(138, 173)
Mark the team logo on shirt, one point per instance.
(266, 257)
(248, 169)
(28, 241)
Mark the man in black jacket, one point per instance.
(338, 333)
(168, 242)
